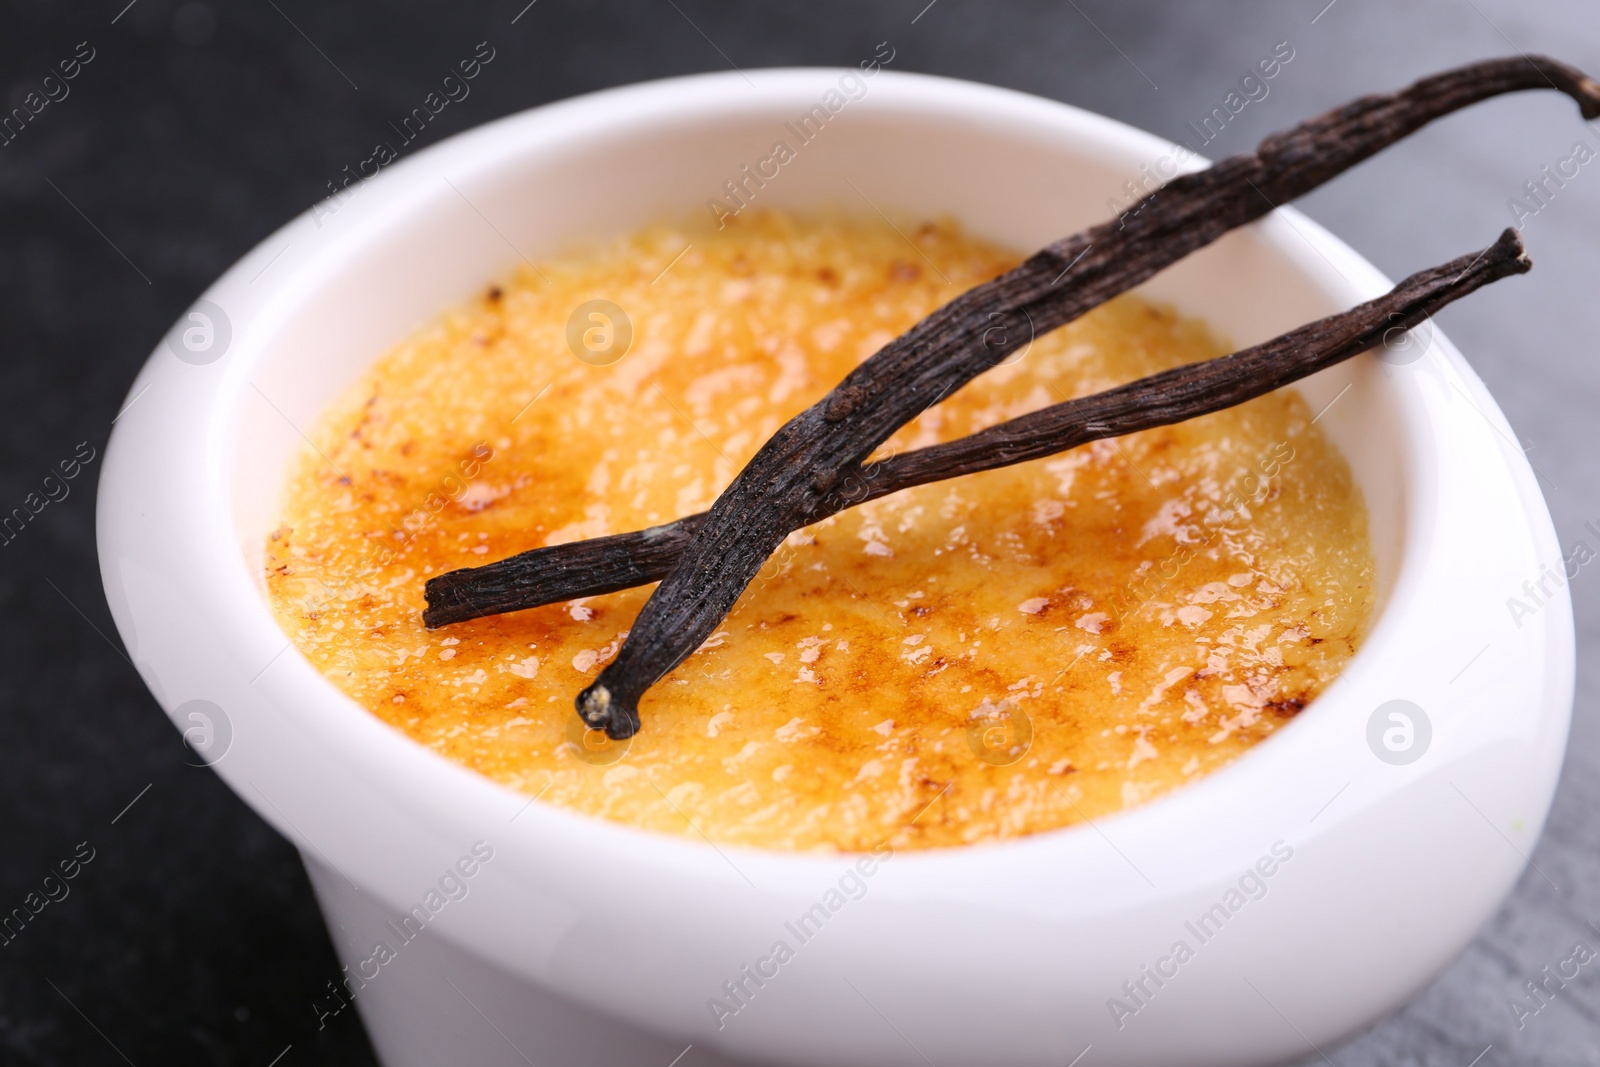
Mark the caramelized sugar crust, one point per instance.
(1147, 609)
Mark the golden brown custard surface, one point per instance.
(1146, 609)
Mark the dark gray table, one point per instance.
(195, 129)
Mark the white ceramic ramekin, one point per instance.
(582, 942)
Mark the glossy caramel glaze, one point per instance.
(1147, 608)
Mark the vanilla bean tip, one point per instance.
(1589, 104)
(1585, 90)
(600, 711)
(1510, 243)
(1564, 77)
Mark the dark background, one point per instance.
(198, 128)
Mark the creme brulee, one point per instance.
(977, 659)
